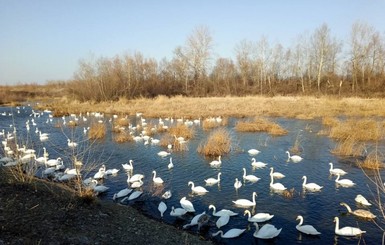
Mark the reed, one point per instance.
(214, 122)
(373, 161)
(297, 147)
(348, 147)
(97, 131)
(181, 130)
(260, 125)
(122, 137)
(358, 130)
(217, 144)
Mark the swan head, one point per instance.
(254, 193)
(246, 212)
(336, 219)
(190, 183)
(211, 207)
(299, 217)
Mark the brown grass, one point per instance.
(260, 125)
(182, 130)
(372, 161)
(358, 130)
(217, 144)
(330, 121)
(348, 147)
(122, 122)
(296, 148)
(211, 122)
(122, 137)
(97, 131)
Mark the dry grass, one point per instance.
(182, 130)
(122, 137)
(97, 131)
(297, 147)
(348, 147)
(214, 122)
(260, 125)
(122, 122)
(357, 130)
(217, 144)
(372, 161)
(330, 121)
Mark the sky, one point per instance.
(44, 40)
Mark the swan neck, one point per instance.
(300, 221)
(304, 180)
(337, 225)
(271, 179)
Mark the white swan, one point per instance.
(222, 221)
(253, 151)
(112, 171)
(276, 186)
(250, 177)
(245, 202)
(212, 181)
(222, 211)
(177, 212)
(276, 175)
(267, 231)
(128, 166)
(258, 164)
(162, 207)
(101, 172)
(237, 184)
(163, 153)
(359, 212)
(170, 165)
(230, 233)
(293, 158)
(307, 229)
(336, 171)
(187, 205)
(135, 178)
(216, 163)
(197, 189)
(157, 180)
(194, 220)
(344, 182)
(135, 195)
(137, 184)
(362, 200)
(122, 193)
(167, 194)
(259, 217)
(310, 186)
(71, 144)
(347, 230)
(98, 188)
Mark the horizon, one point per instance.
(44, 42)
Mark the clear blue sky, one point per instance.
(44, 39)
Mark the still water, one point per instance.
(317, 208)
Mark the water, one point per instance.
(318, 209)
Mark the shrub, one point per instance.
(260, 125)
(97, 131)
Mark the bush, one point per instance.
(217, 144)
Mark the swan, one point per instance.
(137, 184)
(253, 151)
(135, 178)
(293, 158)
(72, 171)
(276, 175)
(359, 212)
(177, 212)
(230, 233)
(112, 171)
(135, 195)
(259, 217)
(267, 231)
(222, 221)
(157, 180)
(167, 194)
(162, 207)
(98, 188)
(347, 230)
(53, 162)
(122, 193)
(222, 211)
(194, 220)
(100, 174)
(212, 181)
(203, 220)
(163, 153)
(216, 163)
(362, 200)
(344, 182)
(187, 205)
(335, 171)
(307, 229)
(258, 164)
(170, 165)
(276, 186)
(49, 171)
(197, 189)
(245, 202)
(128, 167)
(66, 177)
(250, 177)
(310, 186)
(71, 144)
(237, 184)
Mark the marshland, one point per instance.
(177, 127)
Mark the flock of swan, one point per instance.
(264, 229)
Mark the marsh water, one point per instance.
(317, 208)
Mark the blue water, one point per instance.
(318, 209)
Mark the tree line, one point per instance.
(315, 64)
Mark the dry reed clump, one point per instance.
(296, 148)
(357, 130)
(123, 137)
(181, 130)
(122, 122)
(330, 121)
(348, 147)
(176, 145)
(217, 144)
(97, 131)
(260, 125)
(372, 161)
